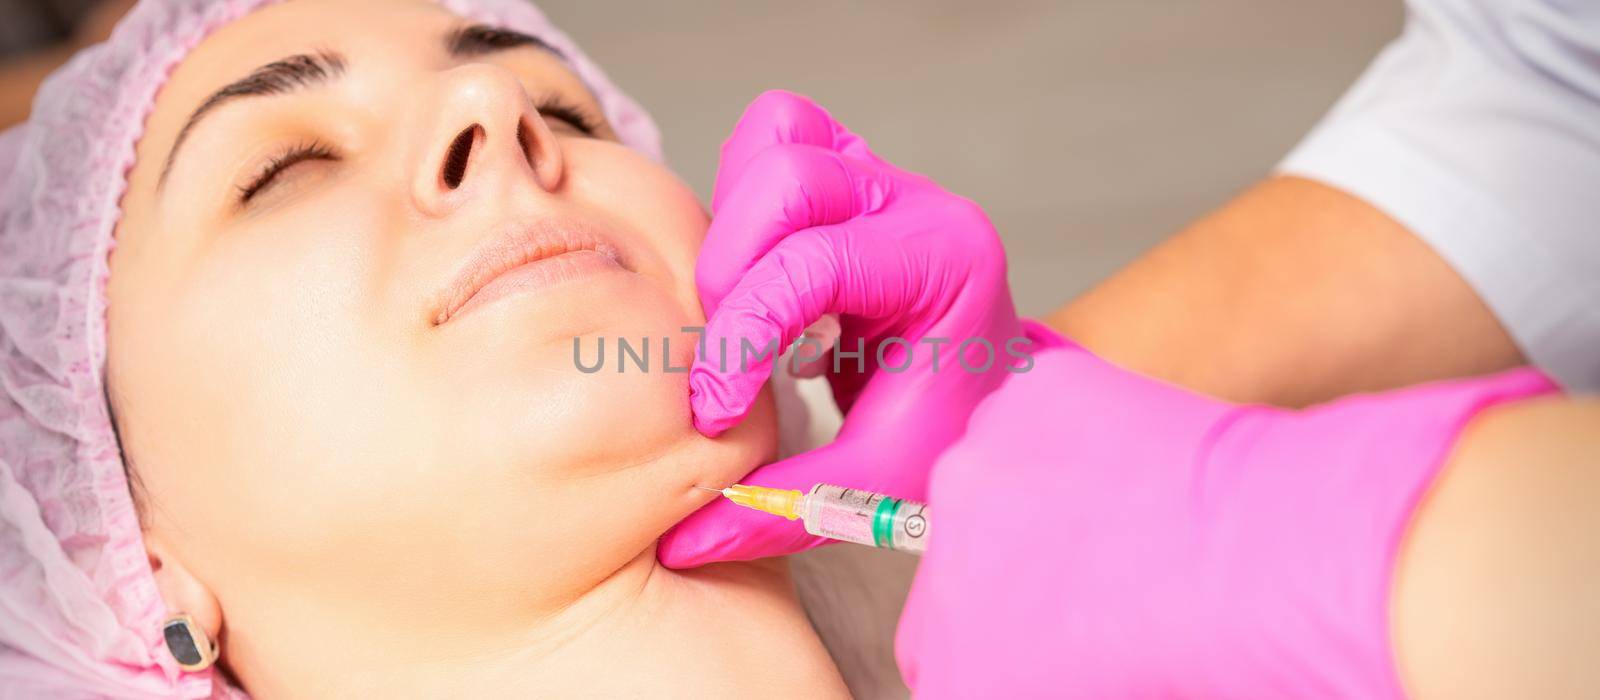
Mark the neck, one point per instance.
(706, 632)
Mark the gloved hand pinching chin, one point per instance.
(807, 222)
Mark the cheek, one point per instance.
(647, 200)
(276, 386)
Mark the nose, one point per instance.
(487, 140)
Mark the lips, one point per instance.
(531, 256)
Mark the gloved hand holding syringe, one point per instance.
(1167, 542)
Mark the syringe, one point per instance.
(839, 513)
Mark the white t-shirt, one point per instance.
(1479, 130)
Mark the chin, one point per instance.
(750, 444)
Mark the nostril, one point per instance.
(455, 161)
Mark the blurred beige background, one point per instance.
(1088, 129)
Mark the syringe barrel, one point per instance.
(864, 517)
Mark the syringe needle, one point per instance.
(706, 488)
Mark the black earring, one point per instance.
(189, 644)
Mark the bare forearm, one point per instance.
(1496, 585)
(1292, 293)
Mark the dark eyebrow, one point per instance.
(305, 70)
(471, 40)
(276, 78)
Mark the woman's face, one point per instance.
(308, 387)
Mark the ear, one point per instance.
(180, 589)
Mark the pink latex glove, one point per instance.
(809, 222)
(1099, 534)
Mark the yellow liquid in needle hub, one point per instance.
(775, 501)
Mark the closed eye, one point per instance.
(283, 161)
(575, 116)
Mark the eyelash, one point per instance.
(299, 152)
(548, 106)
(579, 117)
